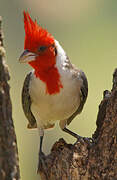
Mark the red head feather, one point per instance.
(44, 64)
(35, 35)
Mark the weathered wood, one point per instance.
(9, 168)
(86, 160)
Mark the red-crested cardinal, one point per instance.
(55, 89)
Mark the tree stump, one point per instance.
(86, 159)
(9, 168)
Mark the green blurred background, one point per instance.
(87, 30)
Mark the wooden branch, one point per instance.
(9, 168)
(86, 160)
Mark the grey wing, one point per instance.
(83, 96)
(26, 102)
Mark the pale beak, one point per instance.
(27, 56)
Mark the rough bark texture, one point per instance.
(86, 159)
(9, 168)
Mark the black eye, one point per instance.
(55, 51)
(42, 48)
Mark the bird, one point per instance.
(55, 90)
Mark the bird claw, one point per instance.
(41, 162)
(42, 165)
(86, 139)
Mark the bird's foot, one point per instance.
(86, 139)
(89, 140)
(42, 163)
(79, 138)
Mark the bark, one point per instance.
(9, 168)
(86, 159)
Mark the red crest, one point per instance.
(35, 35)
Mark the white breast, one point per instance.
(49, 108)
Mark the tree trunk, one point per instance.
(9, 168)
(86, 159)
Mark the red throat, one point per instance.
(51, 79)
(50, 76)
